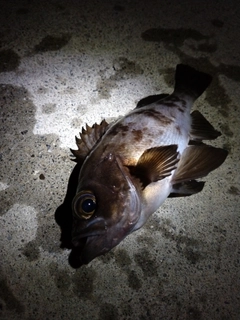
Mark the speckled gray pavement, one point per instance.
(67, 63)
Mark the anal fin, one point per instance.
(197, 161)
(186, 188)
(201, 129)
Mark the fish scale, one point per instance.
(154, 131)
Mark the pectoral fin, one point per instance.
(89, 137)
(197, 161)
(155, 164)
(201, 129)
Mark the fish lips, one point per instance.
(85, 251)
(90, 240)
(96, 239)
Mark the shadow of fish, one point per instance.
(131, 166)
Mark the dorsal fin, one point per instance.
(155, 164)
(88, 139)
(201, 129)
(197, 161)
(151, 99)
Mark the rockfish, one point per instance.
(132, 165)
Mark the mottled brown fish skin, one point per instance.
(131, 166)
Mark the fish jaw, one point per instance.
(101, 235)
(95, 244)
(118, 210)
(88, 238)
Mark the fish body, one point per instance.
(131, 166)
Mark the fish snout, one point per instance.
(83, 229)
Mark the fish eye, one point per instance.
(84, 204)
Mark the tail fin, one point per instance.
(191, 82)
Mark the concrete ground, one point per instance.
(65, 63)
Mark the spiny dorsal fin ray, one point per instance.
(88, 139)
(201, 129)
(155, 164)
(197, 161)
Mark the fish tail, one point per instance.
(189, 81)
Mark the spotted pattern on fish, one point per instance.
(120, 129)
(156, 115)
(132, 165)
(137, 134)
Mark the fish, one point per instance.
(131, 166)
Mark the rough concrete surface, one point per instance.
(67, 63)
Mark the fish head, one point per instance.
(105, 208)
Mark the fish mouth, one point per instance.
(86, 250)
(87, 242)
(86, 228)
(83, 239)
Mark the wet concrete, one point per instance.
(67, 63)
